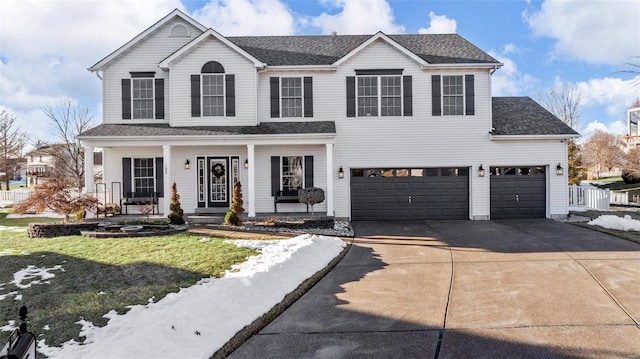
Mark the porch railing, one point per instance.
(590, 197)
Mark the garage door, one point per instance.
(518, 192)
(410, 193)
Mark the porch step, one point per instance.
(205, 219)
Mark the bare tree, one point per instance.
(603, 151)
(12, 142)
(565, 102)
(68, 121)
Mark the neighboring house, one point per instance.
(389, 126)
(41, 164)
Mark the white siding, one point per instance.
(143, 57)
(233, 63)
(420, 140)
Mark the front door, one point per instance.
(218, 181)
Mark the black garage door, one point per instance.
(410, 193)
(518, 192)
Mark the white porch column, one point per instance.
(252, 179)
(166, 154)
(330, 176)
(89, 186)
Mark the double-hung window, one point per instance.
(291, 96)
(213, 95)
(143, 175)
(383, 92)
(367, 95)
(142, 98)
(390, 95)
(452, 95)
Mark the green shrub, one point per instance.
(630, 177)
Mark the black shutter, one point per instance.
(126, 176)
(351, 96)
(275, 175)
(308, 97)
(308, 171)
(436, 105)
(126, 99)
(469, 95)
(159, 99)
(160, 176)
(275, 96)
(407, 95)
(195, 95)
(230, 93)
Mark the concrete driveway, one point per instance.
(467, 289)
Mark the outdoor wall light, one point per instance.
(340, 173)
(480, 171)
(246, 163)
(559, 170)
(187, 164)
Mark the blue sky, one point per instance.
(46, 45)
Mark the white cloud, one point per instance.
(247, 17)
(357, 17)
(439, 24)
(508, 80)
(615, 95)
(616, 127)
(48, 45)
(593, 31)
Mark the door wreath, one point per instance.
(218, 170)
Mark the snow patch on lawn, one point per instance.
(32, 272)
(197, 321)
(615, 222)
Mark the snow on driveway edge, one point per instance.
(250, 330)
(199, 320)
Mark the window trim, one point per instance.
(468, 94)
(282, 97)
(134, 160)
(223, 96)
(379, 96)
(460, 95)
(135, 78)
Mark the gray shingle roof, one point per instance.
(269, 128)
(523, 116)
(325, 50)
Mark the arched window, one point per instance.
(179, 30)
(212, 67)
(212, 74)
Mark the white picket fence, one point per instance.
(590, 197)
(10, 198)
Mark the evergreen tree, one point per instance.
(576, 170)
(232, 216)
(177, 214)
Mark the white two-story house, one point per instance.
(391, 127)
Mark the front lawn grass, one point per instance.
(99, 275)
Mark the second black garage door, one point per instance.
(518, 192)
(410, 193)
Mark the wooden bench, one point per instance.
(285, 197)
(140, 199)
